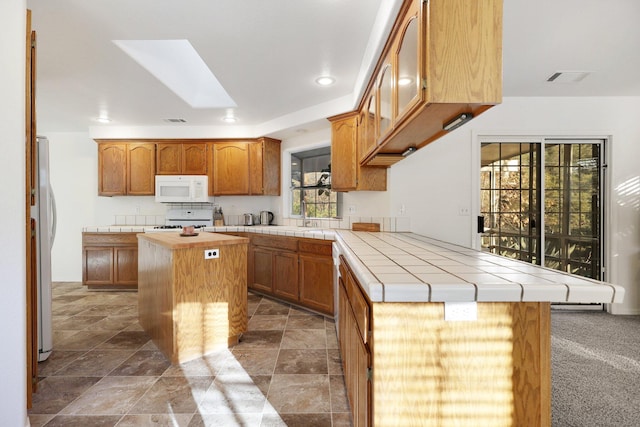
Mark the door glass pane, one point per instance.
(511, 193)
(408, 73)
(507, 179)
(572, 199)
(385, 101)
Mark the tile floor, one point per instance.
(105, 371)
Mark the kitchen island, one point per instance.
(192, 292)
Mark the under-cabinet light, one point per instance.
(409, 151)
(457, 122)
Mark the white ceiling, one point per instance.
(267, 54)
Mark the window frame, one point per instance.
(296, 193)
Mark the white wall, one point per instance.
(13, 403)
(435, 182)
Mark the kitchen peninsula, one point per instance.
(192, 291)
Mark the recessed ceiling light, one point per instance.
(102, 119)
(229, 119)
(404, 81)
(325, 81)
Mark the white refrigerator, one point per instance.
(44, 214)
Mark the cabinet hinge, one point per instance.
(369, 374)
(424, 83)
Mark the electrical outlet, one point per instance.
(352, 209)
(463, 211)
(402, 210)
(460, 311)
(211, 253)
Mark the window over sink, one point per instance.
(311, 194)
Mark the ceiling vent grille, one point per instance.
(175, 120)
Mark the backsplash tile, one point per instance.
(389, 224)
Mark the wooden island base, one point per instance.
(189, 305)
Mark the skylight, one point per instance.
(177, 64)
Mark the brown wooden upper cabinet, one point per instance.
(244, 167)
(126, 168)
(443, 58)
(230, 167)
(346, 172)
(239, 167)
(181, 159)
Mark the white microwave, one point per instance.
(182, 188)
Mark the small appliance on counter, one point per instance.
(266, 218)
(248, 219)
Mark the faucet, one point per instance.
(305, 223)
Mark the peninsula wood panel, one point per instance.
(430, 372)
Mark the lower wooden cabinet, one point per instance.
(110, 260)
(293, 269)
(316, 272)
(356, 356)
(285, 275)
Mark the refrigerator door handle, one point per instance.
(54, 215)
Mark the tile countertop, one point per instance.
(406, 267)
(281, 230)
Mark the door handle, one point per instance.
(480, 224)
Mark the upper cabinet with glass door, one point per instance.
(409, 73)
(443, 58)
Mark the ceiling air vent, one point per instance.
(175, 120)
(568, 76)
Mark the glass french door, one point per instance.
(541, 202)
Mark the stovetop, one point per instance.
(171, 227)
